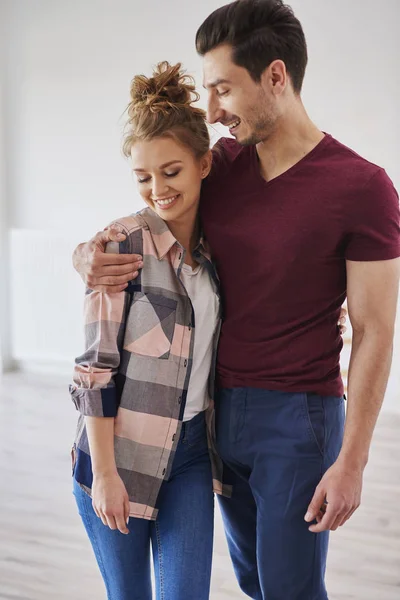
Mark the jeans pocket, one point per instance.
(314, 412)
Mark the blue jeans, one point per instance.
(277, 446)
(181, 539)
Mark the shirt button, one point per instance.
(190, 327)
(179, 399)
(185, 363)
(163, 472)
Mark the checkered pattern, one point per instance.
(137, 363)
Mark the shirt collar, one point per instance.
(163, 238)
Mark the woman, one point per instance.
(144, 472)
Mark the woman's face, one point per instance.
(169, 176)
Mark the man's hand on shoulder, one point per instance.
(103, 272)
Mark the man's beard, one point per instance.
(261, 130)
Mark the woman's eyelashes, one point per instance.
(146, 179)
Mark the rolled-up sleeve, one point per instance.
(94, 390)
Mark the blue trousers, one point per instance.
(181, 538)
(277, 446)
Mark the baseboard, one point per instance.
(7, 365)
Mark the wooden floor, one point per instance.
(44, 554)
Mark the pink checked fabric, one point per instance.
(137, 364)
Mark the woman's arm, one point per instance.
(94, 392)
(109, 495)
(96, 397)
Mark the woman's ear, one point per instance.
(206, 163)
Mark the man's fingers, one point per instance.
(110, 234)
(101, 239)
(110, 284)
(118, 270)
(103, 259)
(334, 517)
(327, 520)
(111, 280)
(115, 233)
(320, 516)
(337, 521)
(348, 515)
(315, 505)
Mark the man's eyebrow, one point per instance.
(163, 166)
(214, 84)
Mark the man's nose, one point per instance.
(214, 111)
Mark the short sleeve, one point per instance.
(373, 228)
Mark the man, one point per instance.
(296, 221)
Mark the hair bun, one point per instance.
(163, 105)
(169, 88)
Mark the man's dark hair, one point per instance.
(259, 31)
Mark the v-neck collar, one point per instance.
(327, 139)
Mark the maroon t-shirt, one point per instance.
(280, 249)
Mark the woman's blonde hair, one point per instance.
(161, 106)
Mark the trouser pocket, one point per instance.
(314, 413)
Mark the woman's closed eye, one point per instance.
(146, 179)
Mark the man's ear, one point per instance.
(275, 77)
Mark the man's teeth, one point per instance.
(234, 124)
(168, 201)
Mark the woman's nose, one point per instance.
(159, 188)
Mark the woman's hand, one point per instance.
(110, 501)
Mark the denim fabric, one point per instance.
(181, 538)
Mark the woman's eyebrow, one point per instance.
(163, 166)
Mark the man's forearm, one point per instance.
(369, 370)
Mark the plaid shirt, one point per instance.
(137, 365)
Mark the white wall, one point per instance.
(5, 331)
(67, 84)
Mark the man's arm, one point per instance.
(372, 302)
(372, 292)
(103, 272)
